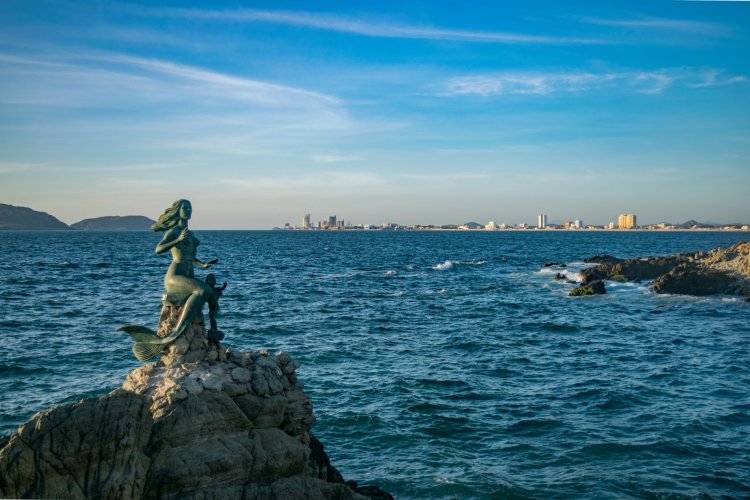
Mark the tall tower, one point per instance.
(542, 221)
(306, 221)
(626, 221)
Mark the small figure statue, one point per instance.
(180, 283)
(214, 334)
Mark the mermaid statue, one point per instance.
(182, 288)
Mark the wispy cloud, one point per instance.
(334, 158)
(655, 23)
(647, 82)
(713, 78)
(448, 177)
(152, 78)
(9, 167)
(370, 28)
(325, 180)
(227, 86)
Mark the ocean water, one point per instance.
(441, 364)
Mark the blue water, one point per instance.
(441, 364)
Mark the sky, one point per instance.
(414, 112)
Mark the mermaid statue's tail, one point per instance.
(144, 352)
(147, 343)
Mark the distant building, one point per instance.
(491, 225)
(306, 222)
(611, 225)
(626, 221)
(542, 221)
(578, 223)
(332, 221)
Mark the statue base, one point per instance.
(193, 345)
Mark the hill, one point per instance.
(12, 217)
(115, 223)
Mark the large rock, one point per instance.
(692, 280)
(236, 426)
(593, 288)
(720, 271)
(647, 268)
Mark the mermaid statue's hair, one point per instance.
(170, 217)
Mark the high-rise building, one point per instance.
(626, 221)
(306, 221)
(578, 223)
(332, 221)
(491, 225)
(542, 221)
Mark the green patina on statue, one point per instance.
(182, 288)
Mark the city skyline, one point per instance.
(409, 112)
(622, 221)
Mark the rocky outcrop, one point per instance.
(202, 423)
(593, 288)
(692, 280)
(637, 270)
(720, 271)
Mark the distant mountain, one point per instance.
(693, 224)
(115, 223)
(12, 217)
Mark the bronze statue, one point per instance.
(180, 283)
(214, 334)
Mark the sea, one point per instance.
(445, 364)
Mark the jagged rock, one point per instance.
(594, 288)
(630, 269)
(602, 259)
(720, 271)
(691, 280)
(180, 428)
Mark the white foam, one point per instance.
(448, 264)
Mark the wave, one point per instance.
(452, 264)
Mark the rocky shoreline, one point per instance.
(719, 271)
(202, 423)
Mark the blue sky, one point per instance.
(410, 112)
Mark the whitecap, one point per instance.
(448, 264)
(444, 480)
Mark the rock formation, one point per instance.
(720, 271)
(593, 288)
(202, 423)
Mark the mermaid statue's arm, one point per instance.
(205, 265)
(170, 239)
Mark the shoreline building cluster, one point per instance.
(624, 222)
